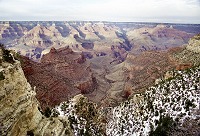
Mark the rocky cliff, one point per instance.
(140, 71)
(19, 114)
(137, 73)
(169, 108)
(61, 74)
(190, 53)
(86, 118)
(194, 44)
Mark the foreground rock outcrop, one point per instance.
(19, 114)
(86, 118)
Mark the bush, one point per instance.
(67, 132)
(165, 124)
(2, 77)
(47, 112)
(6, 54)
(126, 94)
(30, 133)
(188, 104)
(156, 113)
(55, 113)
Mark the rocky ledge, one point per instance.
(194, 44)
(19, 114)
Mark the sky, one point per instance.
(162, 11)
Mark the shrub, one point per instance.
(156, 113)
(188, 104)
(150, 105)
(67, 132)
(17, 56)
(2, 46)
(55, 113)
(30, 133)
(2, 77)
(47, 112)
(165, 124)
(64, 106)
(6, 54)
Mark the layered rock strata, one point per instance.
(19, 114)
(61, 74)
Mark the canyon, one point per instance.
(105, 61)
(105, 64)
(33, 39)
(61, 74)
(170, 107)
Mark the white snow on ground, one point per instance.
(179, 98)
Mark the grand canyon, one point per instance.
(85, 74)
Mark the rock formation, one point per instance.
(156, 38)
(138, 72)
(84, 116)
(19, 114)
(194, 44)
(11, 30)
(61, 74)
(190, 53)
(93, 38)
(41, 37)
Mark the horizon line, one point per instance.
(98, 21)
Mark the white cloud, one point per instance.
(186, 11)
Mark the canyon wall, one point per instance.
(20, 114)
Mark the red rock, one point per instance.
(81, 59)
(61, 74)
(183, 66)
(87, 86)
(53, 50)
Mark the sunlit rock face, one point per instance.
(190, 54)
(19, 114)
(194, 44)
